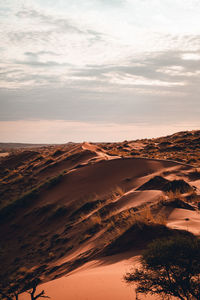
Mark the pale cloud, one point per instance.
(191, 56)
(163, 69)
(127, 79)
(87, 60)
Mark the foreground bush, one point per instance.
(169, 267)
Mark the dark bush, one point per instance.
(169, 268)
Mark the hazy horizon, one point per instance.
(98, 70)
(42, 132)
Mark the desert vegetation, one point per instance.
(169, 268)
(30, 288)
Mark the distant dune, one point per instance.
(19, 145)
(77, 216)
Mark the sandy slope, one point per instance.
(103, 279)
(185, 219)
(94, 281)
(91, 174)
(104, 176)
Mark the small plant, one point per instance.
(95, 220)
(32, 291)
(174, 195)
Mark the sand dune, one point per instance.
(104, 176)
(79, 215)
(94, 281)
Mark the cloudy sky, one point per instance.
(98, 70)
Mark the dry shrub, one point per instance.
(145, 215)
(95, 220)
(121, 222)
(174, 195)
(160, 218)
(194, 198)
(162, 199)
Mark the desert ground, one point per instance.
(76, 216)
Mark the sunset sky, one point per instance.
(98, 70)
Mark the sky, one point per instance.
(98, 70)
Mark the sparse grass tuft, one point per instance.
(23, 202)
(174, 195)
(27, 199)
(122, 221)
(176, 186)
(86, 209)
(193, 197)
